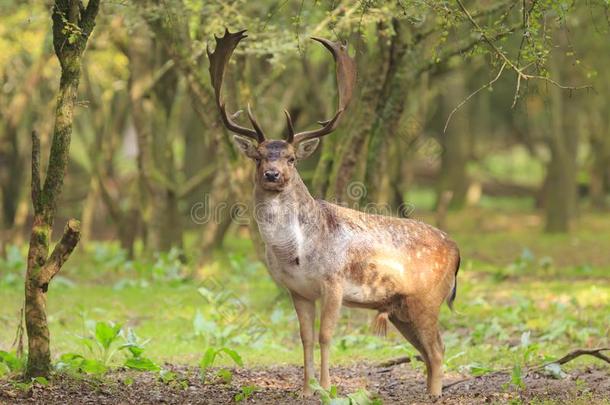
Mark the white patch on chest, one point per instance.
(298, 236)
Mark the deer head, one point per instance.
(276, 159)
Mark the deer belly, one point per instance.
(374, 281)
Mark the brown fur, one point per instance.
(402, 268)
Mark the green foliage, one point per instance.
(103, 344)
(105, 335)
(245, 393)
(75, 362)
(10, 363)
(331, 396)
(209, 358)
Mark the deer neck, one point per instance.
(283, 218)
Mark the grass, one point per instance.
(523, 298)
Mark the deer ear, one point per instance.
(306, 148)
(245, 146)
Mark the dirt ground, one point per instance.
(279, 385)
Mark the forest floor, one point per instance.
(279, 385)
(524, 299)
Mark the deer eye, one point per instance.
(291, 160)
(258, 161)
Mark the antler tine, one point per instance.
(345, 68)
(219, 59)
(257, 127)
(290, 135)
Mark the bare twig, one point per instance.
(461, 104)
(563, 360)
(577, 353)
(521, 75)
(399, 360)
(18, 342)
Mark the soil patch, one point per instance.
(280, 385)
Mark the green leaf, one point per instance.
(245, 393)
(106, 334)
(516, 377)
(167, 376)
(225, 375)
(141, 364)
(93, 367)
(360, 397)
(4, 369)
(41, 380)
(324, 394)
(78, 363)
(208, 358)
(477, 369)
(136, 351)
(233, 355)
(11, 360)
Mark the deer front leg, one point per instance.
(329, 314)
(306, 312)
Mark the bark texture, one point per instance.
(72, 26)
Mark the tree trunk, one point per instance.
(561, 187)
(350, 152)
(382, 161)
(149, 95)
(599, 139)
(456, 143)
(41, 268)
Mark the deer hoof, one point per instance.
(306, 392)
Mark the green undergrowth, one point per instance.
(510, 314)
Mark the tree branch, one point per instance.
(87, 21)
(61, 253)
(563, 360)
(464, 47)
(521, 75)
(577, 353)
(461, 104)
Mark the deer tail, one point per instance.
(380, 324)
(453, 294)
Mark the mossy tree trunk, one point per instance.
(72, 26)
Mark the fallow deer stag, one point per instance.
(402, 268)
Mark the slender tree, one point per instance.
(72, 26)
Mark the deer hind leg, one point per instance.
(306, 312)
(421, 330)
(329, 315)
(433, 346)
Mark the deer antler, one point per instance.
(346, 79)
(219, 59)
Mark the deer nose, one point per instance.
(272, 175)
